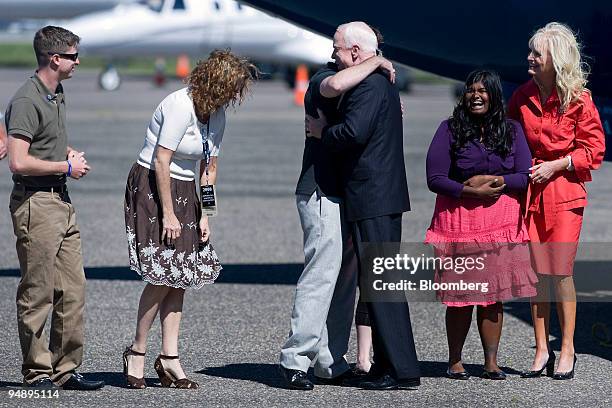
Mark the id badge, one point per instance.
(208, 200)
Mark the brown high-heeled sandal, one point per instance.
(168, 379)
(131, 381)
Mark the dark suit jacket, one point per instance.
(320, 167)
(370, 137)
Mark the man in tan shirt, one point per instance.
(44, 221)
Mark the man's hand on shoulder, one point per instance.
(387, 68)
(350, 77)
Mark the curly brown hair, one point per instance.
(222, 79)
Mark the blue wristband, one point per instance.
(69, 168)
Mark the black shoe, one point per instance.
(42, 384)
(386, 382)
(296, 379)
(349, 378)
(493, 375)
(549, 366)
(78, 382)
(566, 376)
(463, 375)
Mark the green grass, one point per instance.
(423, 77)
(21, 55)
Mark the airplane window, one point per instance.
(179, 5)
(217, 5)
(155, 5)
(239, 6)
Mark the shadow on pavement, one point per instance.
(438, 369)
(116, 379)
(4, 384)
(266, 374)
(256, 274)
(593, 327)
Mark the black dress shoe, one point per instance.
(349, 378)
(78, 382)
(42, 384)
(549, 366)
(568, 375)
(296, 379)
(386, 382)
(463, 375)
(493, 375)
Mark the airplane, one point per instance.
(451, 38)
(195, 27)
(52, 9)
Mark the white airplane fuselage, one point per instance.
(198, 28)
(46, 9)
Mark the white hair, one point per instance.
(572, 72)
(360, 34)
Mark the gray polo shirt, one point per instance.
(39, 115)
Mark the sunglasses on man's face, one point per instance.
(72, 57)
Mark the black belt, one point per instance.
(55, 189)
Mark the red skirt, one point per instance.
(554, 246)
(493, 235)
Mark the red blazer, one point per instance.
(577, 132)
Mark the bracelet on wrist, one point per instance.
(69, 168)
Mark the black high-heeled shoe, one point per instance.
(549, 366)
(568, 375)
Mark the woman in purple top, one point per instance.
(478, 164)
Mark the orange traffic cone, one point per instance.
(182, 66)
(301, 84)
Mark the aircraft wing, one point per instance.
(451, 38)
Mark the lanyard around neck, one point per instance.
(206, 149)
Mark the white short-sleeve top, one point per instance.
(175, 126)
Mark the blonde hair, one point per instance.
(559, 40)
(222, 79)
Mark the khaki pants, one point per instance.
(52, 279)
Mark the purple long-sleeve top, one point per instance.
(446, 171)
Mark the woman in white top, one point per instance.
(167, 234)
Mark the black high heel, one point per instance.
(549, 366)
(568, 375)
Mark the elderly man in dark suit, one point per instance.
(370, 138)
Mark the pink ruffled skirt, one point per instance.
(484, 245)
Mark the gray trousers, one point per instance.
(325, 294)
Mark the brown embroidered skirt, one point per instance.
(186, 264)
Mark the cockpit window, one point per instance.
(217, 5)
(155, 5)
(179, 5)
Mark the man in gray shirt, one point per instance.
(44, 221)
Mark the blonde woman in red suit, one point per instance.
(566, 139)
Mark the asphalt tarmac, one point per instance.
(232, 331)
